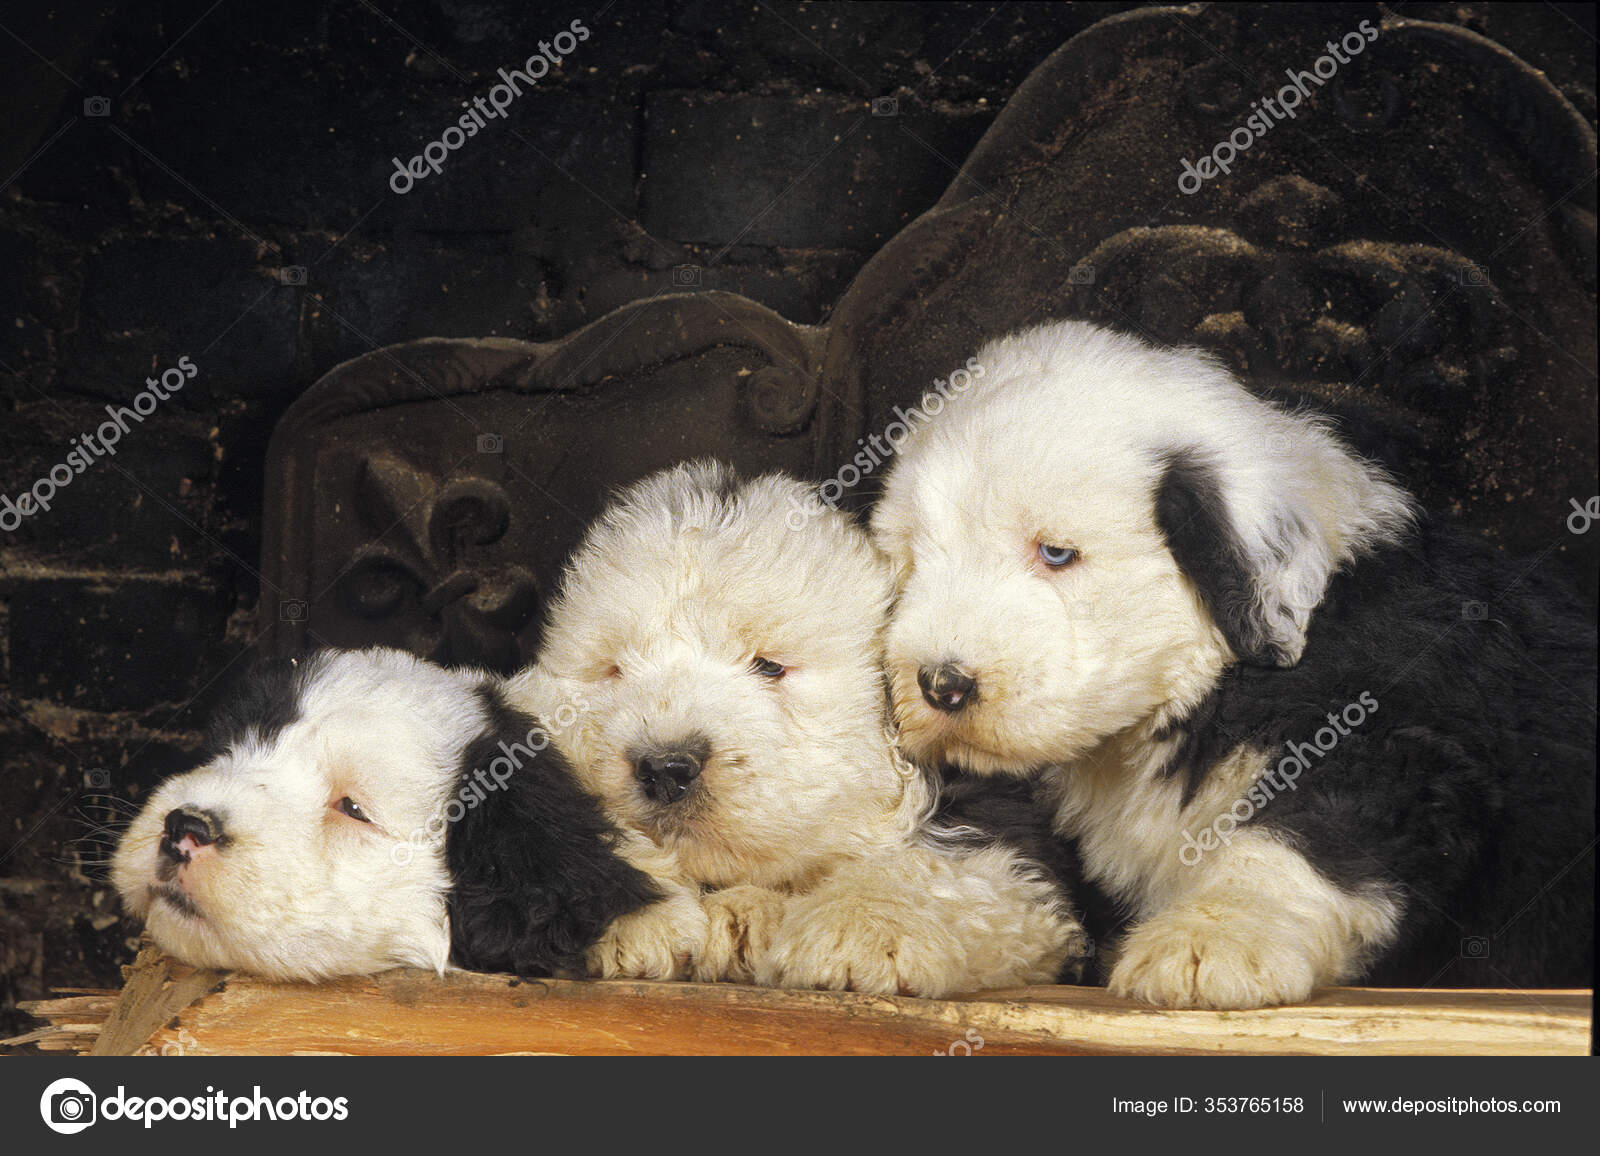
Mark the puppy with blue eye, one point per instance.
(726, 638)
(1302, 733)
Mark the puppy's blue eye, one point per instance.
(769, 669)
(1057, 556)
(348, 806)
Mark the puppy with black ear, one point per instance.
(361, 810)
(1300, 733)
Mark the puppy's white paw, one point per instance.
(743, 921)
(864, 944)
(1194, 957)
(661, 941)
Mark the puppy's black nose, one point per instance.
(667, 775)
(947, 687)
(191, 823)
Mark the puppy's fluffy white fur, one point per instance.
(367, 809)
(297, 888)
(801, 857)
(1082, 668)
(805, 830)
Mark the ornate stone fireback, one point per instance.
(1413, 251)
(425, 495)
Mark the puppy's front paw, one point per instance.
(743, 921)
(1197, 958)
(864, 945)
(661, 941)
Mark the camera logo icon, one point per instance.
(1474, 276)
(1475, 947)
(686, 276)
(885, 106)
(68, 1106)
(1475, 611)
(291, 275)
(97, 779)
(1081, 275)
(292, 610)
(96, 106)
(491, 443)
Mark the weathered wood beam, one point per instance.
(166, 1009)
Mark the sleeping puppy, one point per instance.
(726, 637)
(1303, 735)
(361, 810)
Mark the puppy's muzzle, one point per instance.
(185, 831)
(947, 687)
(668, 775)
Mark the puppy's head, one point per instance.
(328, 832)
(727, 639)
(1087, 536)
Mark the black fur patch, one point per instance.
(263, 701)
(1469, 793)
(1201, 743)
(1194, 520)
(1008, 811)
(536, 878)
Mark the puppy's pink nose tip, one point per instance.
(188, 830)
(947, 687)
(189, 847)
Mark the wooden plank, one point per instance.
(1334, 1021)
(100, 1004)
(158, 988)
(74, 1022)
(419, 1013)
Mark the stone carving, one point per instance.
(1413, 252)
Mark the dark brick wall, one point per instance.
(232, 206)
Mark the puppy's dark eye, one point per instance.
(348, 806)
(768, 669)
(1056, 557)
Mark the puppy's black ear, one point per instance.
(1193, 517)
(1262, 524)
(262, 701)
(533, 861)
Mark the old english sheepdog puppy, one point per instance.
(1304, 734)
(729, 654)
(361, 810)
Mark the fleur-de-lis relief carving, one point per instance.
(429, 559)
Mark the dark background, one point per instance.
(242, 140)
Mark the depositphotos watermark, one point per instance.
(89, 447)
(1584, 516)
(69, 1106)
(879, 448)
(479, 112)
(1265, 113)
(486, 780)
(969, 1046)
(1284, 777)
